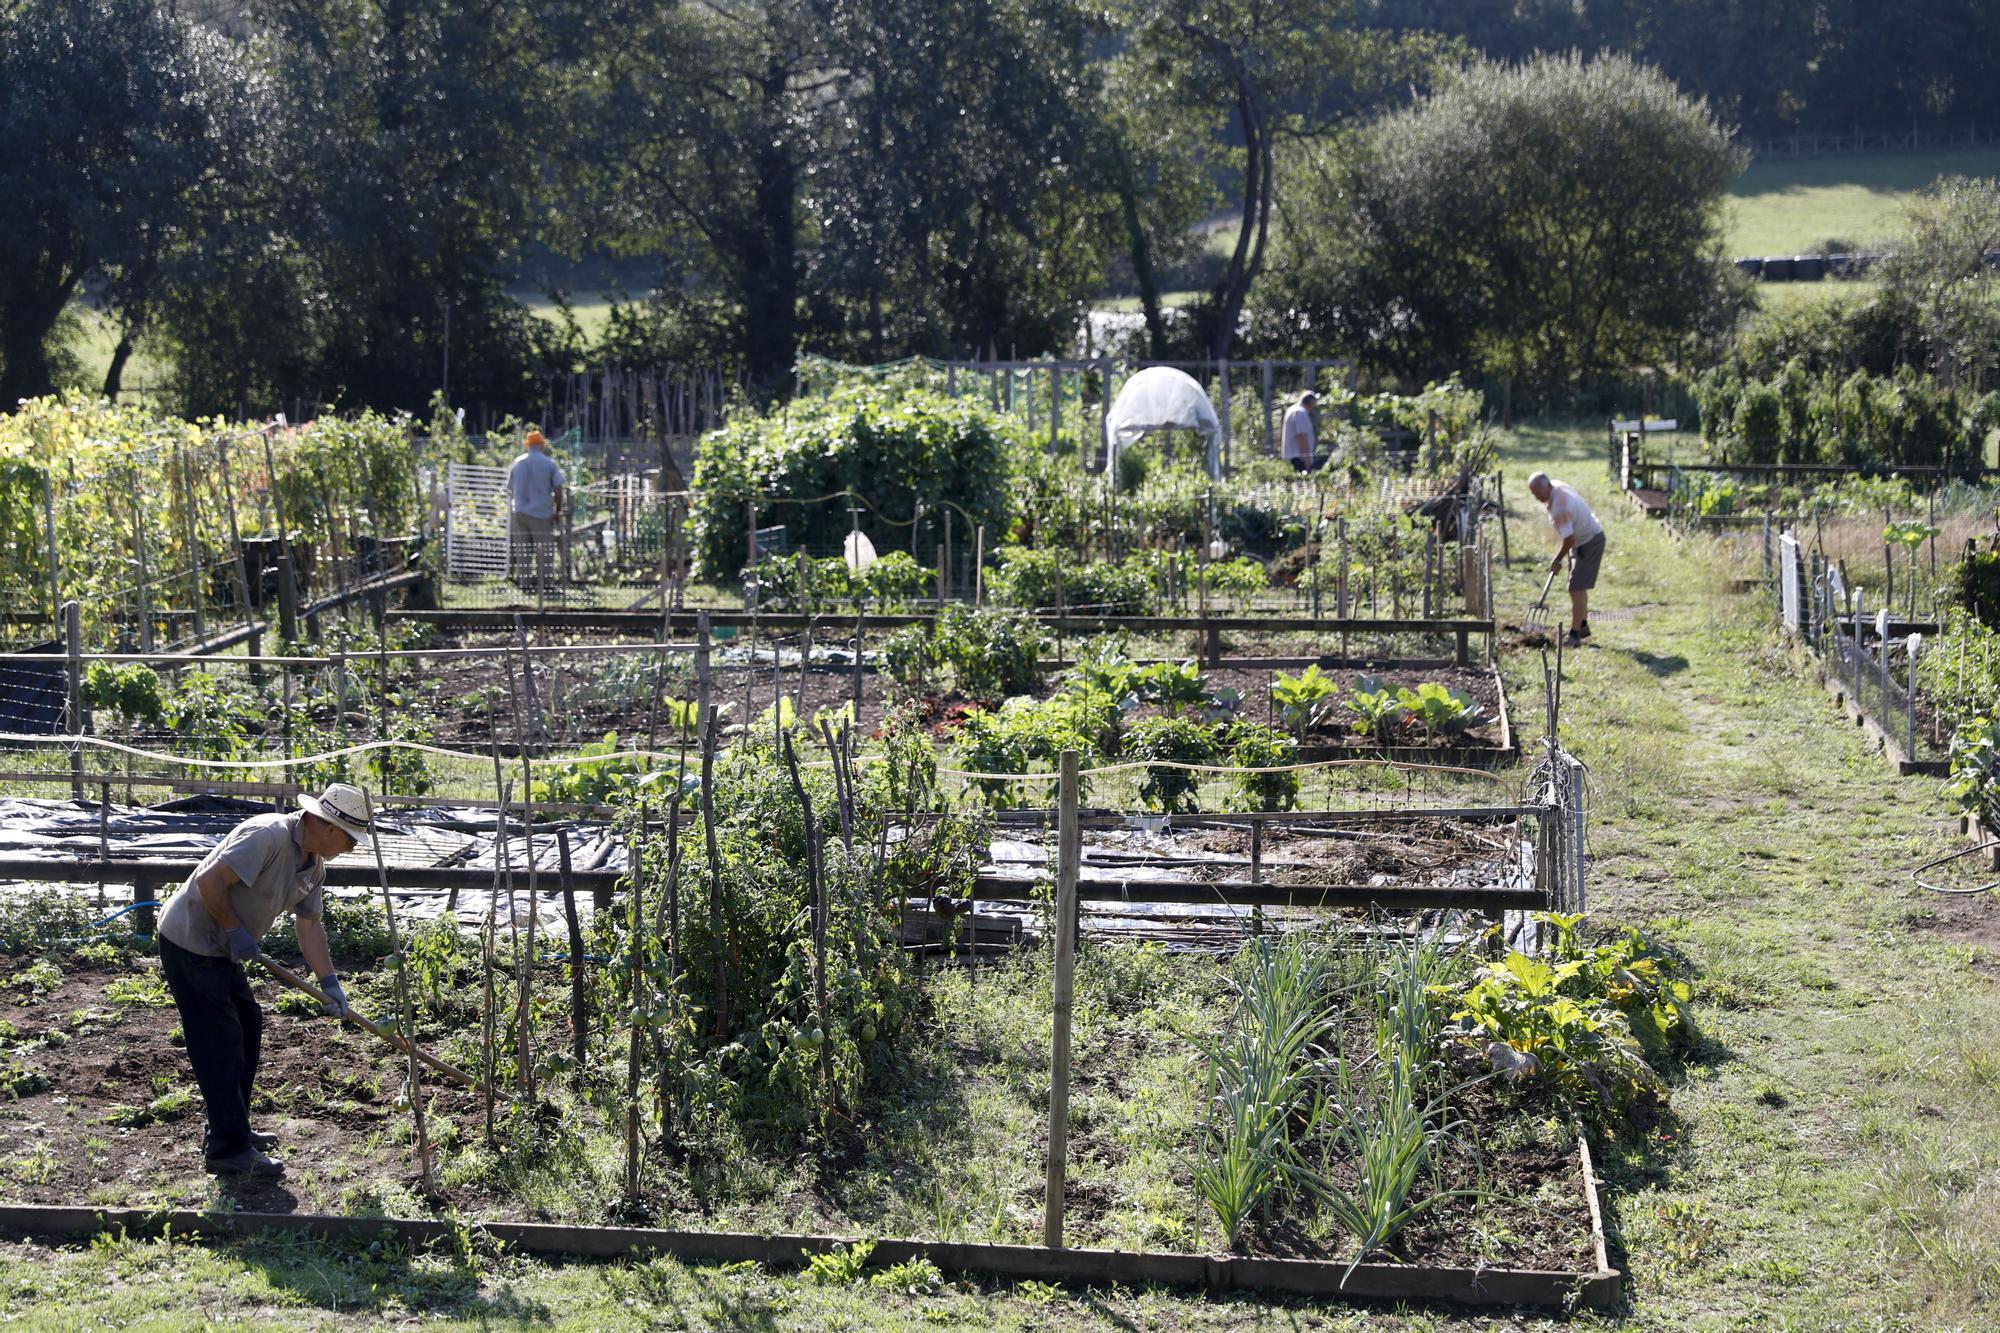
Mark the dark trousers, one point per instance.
(225, 1032)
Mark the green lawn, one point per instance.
(1783, 206)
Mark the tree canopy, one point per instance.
(1550, 220)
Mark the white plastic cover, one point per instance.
(860, 552)
(1162, 398)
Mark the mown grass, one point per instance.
(1783, 206)
(1834, 1151)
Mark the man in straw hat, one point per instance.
(535, 493)
(268, 865)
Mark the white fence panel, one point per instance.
(475, 524)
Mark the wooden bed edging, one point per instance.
(1892, 748)
(1545, 1288)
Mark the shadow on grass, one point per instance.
(352, 1276)
(1659, 665)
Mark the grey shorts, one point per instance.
(1584, 561)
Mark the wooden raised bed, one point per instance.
(1483, 1286)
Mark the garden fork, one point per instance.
(1537, 617)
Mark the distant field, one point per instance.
(1787, 295)
(1784, 206)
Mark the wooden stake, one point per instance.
(1069, 856)
(525, 962)
(636, 943)
(579, 997)
(707, 711)
(416, 1067)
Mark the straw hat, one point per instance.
(343, 806)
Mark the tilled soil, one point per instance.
(86, 1055)
(328, 1094)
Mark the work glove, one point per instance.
(336, 999)
(242, 944)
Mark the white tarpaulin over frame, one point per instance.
(1162, 398)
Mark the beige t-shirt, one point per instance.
(1571, 515)
(1300, 438)
(277, 877)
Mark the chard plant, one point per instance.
(1379, 711)
(1303, 701)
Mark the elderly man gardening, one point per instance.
(1300, 439)
(268, 865)
(1582, 538)
(535, 490)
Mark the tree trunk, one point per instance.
(25, 325)
(114, 377)
(1142, 261)
(770, 270)
(1247, 258)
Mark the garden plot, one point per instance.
(103, 1110)
(1175, 883)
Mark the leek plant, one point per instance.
(1262, 1078)
(1286, 1111)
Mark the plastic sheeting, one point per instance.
(185, 830)
(1162, 398)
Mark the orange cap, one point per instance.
(535, 437)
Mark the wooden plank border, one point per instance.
(1495, 1286)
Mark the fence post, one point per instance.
(1069, 855)
(1910, 696)
(49, 515)
(72, 618)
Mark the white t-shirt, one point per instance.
(1300, 440)
(1571, 515)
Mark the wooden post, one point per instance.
(1340, 532)
(139, 554)
(1069, 857)
(705, 707)
(403, 1001)
(194, 548)
(1268, 448)
(978, 575)
(579, 999)
(288, 596)
(634, 942)
(143, 918)
(1227, 454)
(860, 622)
(524, 1009)
(72, 620)
(49, 517)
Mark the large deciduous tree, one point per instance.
(1282, 72)
(115, 121)
(1550, 221)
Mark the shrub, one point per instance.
(1254, 745)
(898, 445)
(1176, 740)
(984, 653)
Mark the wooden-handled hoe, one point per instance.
(299, 983)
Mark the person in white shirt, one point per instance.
(1300, 440)
(1582, 538)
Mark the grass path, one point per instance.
(1834, 1157)
(1834, 1164)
